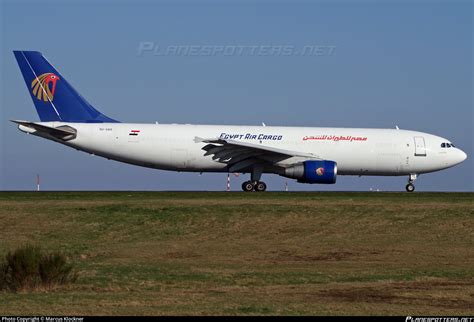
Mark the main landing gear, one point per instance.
(410, 186)
(254, 185)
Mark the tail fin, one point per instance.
(54, 98)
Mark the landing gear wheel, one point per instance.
(411, 178)
(247, 186)
(260, 186)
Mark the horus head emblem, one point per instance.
(320, 171)
(44, 85)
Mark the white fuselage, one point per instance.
(356, 151)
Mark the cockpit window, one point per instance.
(447, 145)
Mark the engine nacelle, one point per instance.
(314, 171)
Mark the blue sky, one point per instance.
(405, 63)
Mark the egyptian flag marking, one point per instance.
(134, 132)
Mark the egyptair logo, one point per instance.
(320, 171)
(43, 86)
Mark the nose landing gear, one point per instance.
(410, 187)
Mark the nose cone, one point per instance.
(459, 156)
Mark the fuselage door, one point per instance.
(420, 148)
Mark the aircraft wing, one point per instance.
(240, 155)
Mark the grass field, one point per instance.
(212, 253)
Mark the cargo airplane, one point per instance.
(307, 154)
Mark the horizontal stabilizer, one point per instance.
(64, 132)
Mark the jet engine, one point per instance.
(314, 171)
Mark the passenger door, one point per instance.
(420, 148)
